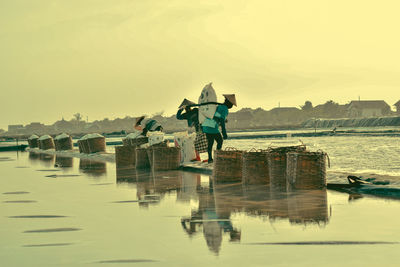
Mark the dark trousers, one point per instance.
(210, 138)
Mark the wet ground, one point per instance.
(74, 212)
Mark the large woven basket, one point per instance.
(34, 142)
(96, 144)
(46, 144)
(277, 165)
(306, 170)
(63, 143)
(255, 168)
(125, 156)
(84, 146)
(142, 159)
(227, 165)
(164, 158)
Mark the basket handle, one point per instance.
(230, 148)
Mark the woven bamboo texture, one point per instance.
(125, 156)
(63, 143)
(227, 165)
(142, 159)
(255, 168)
(277, 165)
(47, 144)
(135, 141)
(97, 144)
(164, 158)
(84, 146)
(306, 170)
(33, 143)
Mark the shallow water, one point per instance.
(125, 217)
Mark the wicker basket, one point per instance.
(64, 162)
(125, 156)
(227, 165)
(83, 144)
(255, 168)
(142, 159)
(47, 143)
(33, 142)
(277, 165)
(306, 170)
(96, 144)
(309, 206)
(63, 143)
(163, 158)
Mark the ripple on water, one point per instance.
(19, 201)
(127, 261)
(47, 245)
(53, 230)
(16, 193)
(37, 216)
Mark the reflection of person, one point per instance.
(147, 125)
(211, 126)
(192, 116)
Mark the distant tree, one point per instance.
(307, 106)
(78, 116)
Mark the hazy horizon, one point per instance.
(124, 58)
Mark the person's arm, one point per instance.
(179, 114)
(223, 129)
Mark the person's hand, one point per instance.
(225, 136)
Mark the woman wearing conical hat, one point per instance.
(211, 126)
(145, 125)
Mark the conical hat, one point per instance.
(185, 103)
(139, 119)
(231, 98)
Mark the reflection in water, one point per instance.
(92, 168)
(46, 160)
(33, 156)
(64, 162)
(217, 203)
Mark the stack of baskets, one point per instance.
(33, 141)
(46, 142)
(63, 142)
(227, 165)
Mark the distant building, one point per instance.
(397, 105)
(369, 108)
(15, 128)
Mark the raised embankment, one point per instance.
(357, 122)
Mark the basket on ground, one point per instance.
(227, 165)
(306, 170)
(255, 168)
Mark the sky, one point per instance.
(109, 59)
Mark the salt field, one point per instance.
(77, 212)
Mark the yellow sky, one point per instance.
(115, 58)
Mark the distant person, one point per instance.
(145, 125)
(211, 126)
(191, 115)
